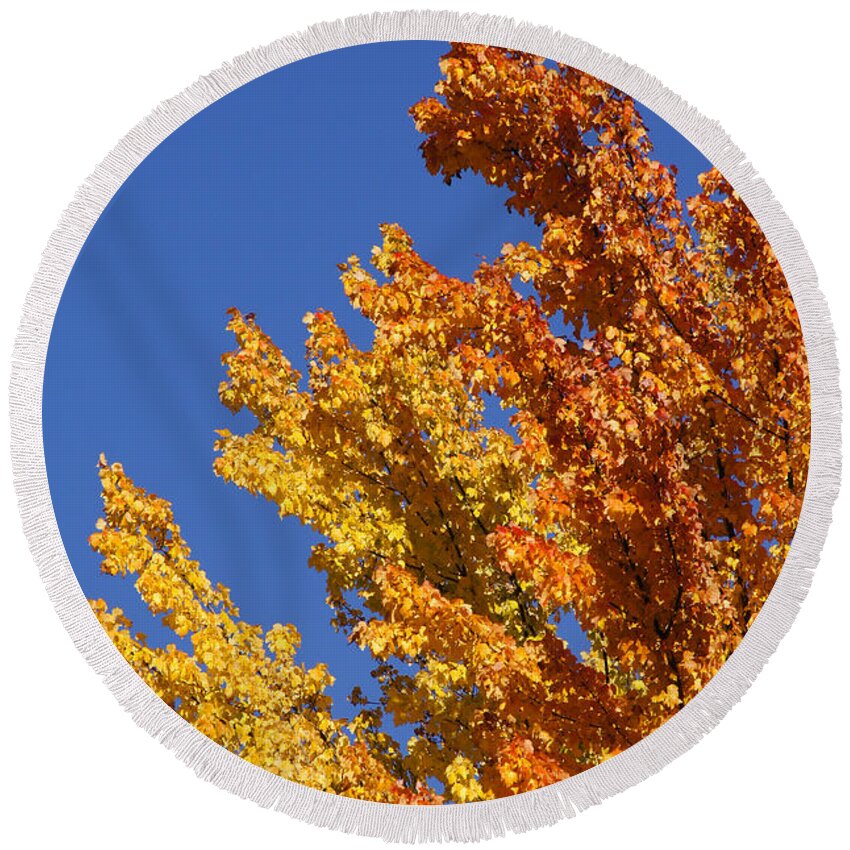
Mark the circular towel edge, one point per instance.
(471, 821)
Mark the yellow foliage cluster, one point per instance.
(239, 686)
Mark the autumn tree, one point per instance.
(651, 361)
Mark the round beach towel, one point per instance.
(416, 424)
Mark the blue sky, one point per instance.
(251, 204)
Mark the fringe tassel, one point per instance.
(473, 821)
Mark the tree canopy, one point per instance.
(650, 357)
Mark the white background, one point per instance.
(77, 76)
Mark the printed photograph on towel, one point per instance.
(426, 423)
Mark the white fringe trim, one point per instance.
(471, 821)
